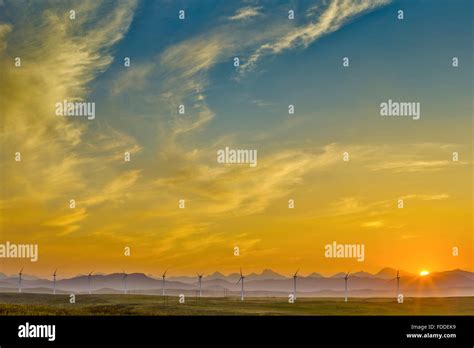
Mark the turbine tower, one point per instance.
(54, 281)
(164, 281)
(19, 280)
(398, 282)
(345, 286)
(242, 277)
(89, 278)
(294, 283)
(124, 280)
(200, 284)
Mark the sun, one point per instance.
(424, 273)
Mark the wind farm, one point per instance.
(265, 293)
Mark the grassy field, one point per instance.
(41, 304)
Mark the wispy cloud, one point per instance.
(347, 206)
(246, 13)
(183, 69)
(221, 186)
(410, 166)
(4, 30)
(373, 224)
(425, 197)
(60, 57)
(262, 103)
(134, 78)
(68, 222)
(409, 236)
(335, 15)
(419, 157)
(116, 190)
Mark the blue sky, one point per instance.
(388, 57)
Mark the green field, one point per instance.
(41, 304)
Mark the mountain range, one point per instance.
(268, 283)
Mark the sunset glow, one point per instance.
(144, 178)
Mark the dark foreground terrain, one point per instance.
(41, 304)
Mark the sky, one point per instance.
(134, 204)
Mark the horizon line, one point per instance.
(289, 276)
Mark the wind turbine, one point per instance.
(294, 283)
(398, 282)
(54, 281)
(89, 278)
(19, 280)
(164, 281)
(200, 284)
(345, 286)
(242, 277)
(124, 280)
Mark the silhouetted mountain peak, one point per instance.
(267, 274)
(216, 275)
(448, 283)
(314, 275)
(362, 274)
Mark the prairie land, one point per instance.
(146, 305)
